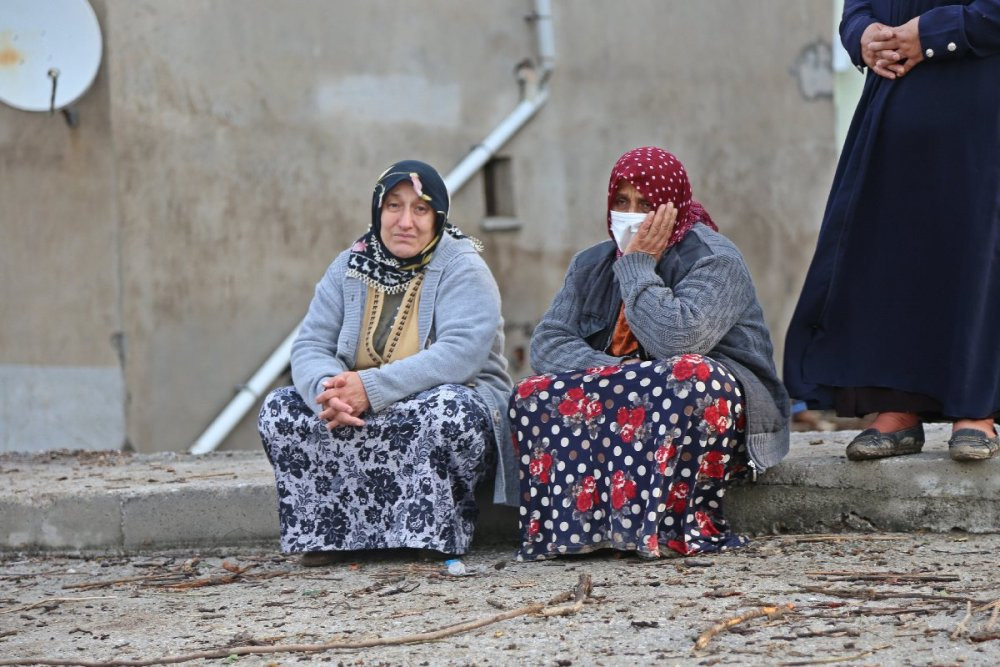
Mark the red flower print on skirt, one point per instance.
(677, 497)
(585, 495)
(600, 371)
(712, 466)
(679, 546)
(526, 394)
(622, 490)
(573, 402)
(689, 367)
(636, 481)
(705, 524)
(629, 424)
(715, 418)
(682, 370)
(540, 465)
(532, 385)
(579, 410)
(664, 455)
(653, 544)
(741, 422)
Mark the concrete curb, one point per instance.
(127, 504)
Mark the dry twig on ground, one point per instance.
(48, 601)
(770, 612)
(963, 626)
(843, 538)
(883, 576)
(836, 658)
(872, 594)
(580, 594)
(125, 580)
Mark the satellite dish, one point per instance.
(49, 52)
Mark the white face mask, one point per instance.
(624, 226)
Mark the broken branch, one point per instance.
(46, 601)
(832, 659)
(583, 587)
(770, 612)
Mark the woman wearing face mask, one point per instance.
(656, 384)
(399, 382)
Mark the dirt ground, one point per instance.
(855, 599)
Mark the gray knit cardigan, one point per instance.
(461, 340)
(698, 298)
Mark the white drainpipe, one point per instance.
(249, 394)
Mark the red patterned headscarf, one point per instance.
(661, 178)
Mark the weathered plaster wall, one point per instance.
(61, 382)
(165, 246)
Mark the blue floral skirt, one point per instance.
(406, 478)
(629, 457)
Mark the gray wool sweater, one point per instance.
(699, 298)
(461, 339)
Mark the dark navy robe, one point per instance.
(904, 289)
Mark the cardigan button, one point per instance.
(929, 53)
(952, 46)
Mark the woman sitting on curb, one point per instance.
(400, 380)
(656, 383)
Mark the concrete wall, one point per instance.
(61, 381)
(154, 255)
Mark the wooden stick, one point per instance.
(580, 594)
(770, 612)
(832, 659)
(870, 594)
(962, 627)
(990, 605)
(877, 576)
(582, 591)
(45, 601)
(993, 618)
(125, 580)
(25, 575)
(843, 538)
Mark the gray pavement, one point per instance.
(853, 599)
(117, 503)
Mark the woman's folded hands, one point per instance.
(343, 400)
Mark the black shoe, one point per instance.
(872, 444)
(970, 444)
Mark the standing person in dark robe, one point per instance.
(900, 311)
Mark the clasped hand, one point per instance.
(892, 52)
(654, 232)
(343, 400)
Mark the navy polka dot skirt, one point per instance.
(634, 457)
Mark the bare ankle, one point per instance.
(984, 425)
(889, 422)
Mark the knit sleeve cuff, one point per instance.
(369, 379)
(636, 268)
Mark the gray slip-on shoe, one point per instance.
(872, 444)
(970, 444)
